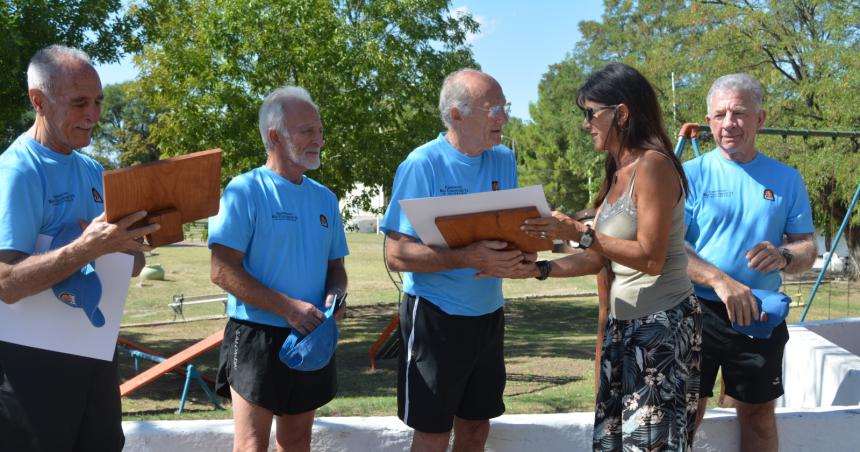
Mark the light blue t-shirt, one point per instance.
(733, 206)
(42, 190)
(438, 169)
(288, 233)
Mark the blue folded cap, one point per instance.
(774, 305)
(314, 351)
(83, 289)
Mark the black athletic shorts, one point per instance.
(249, 364)
(752, 368)
(52, 401)
(450, 365)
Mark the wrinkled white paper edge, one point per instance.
(42, 321)
(422, 212)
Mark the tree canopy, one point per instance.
(374, 69)
(95, 26)
(806, 54)
(122, 137)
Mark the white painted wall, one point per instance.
(814, 430)
(818, 372)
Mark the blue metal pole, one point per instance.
(212, 397)
(830, 254)
(185, 389)
(679, 148)
(695, 147)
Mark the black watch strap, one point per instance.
(544, 268)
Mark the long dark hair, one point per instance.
(618, 83)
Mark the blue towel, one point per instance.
(773, 309)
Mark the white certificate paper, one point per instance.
(422, 212)
(42, 321)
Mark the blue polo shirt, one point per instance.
(288, 233)
(438, 169)
(42, 190)
(733, 206)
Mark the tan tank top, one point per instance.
(635, 294)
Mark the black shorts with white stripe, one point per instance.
(450, 365)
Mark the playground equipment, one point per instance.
(170, 365)
(689, 133)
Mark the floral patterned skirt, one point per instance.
(648, 393)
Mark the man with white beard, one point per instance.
(277, 249)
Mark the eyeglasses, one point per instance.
(498, 109)
(590, 111)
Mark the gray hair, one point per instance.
(272, 110)
(737, 82)
(455, 94)
(47, 63)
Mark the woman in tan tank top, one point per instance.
(648, 382)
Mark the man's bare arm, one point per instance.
(766, 257)
(227, 273)
(404, 253)
(22, 275)
(738, 298)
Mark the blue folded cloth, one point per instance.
(314, 351)
(773, 309)
(83, 289)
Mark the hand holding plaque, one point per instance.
(172, 192)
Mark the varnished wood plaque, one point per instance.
(461, 230)
(173, 191)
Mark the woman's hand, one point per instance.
(559, 226)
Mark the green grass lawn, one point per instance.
(549, 341)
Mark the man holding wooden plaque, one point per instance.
(452, 369)
(277, 248)
(50, 400)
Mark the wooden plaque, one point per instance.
(461, 230)
(173, 191)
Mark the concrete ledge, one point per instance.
(817, 371)
(812, 430)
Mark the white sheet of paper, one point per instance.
(44, 322)
(422, 212)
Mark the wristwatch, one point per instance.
(587, 238)
(544, 268)
(786, 254)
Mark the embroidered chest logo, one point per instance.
(323, 221)
(97, 197)
(495, 185)
(768, 195)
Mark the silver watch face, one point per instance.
(586, 240)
